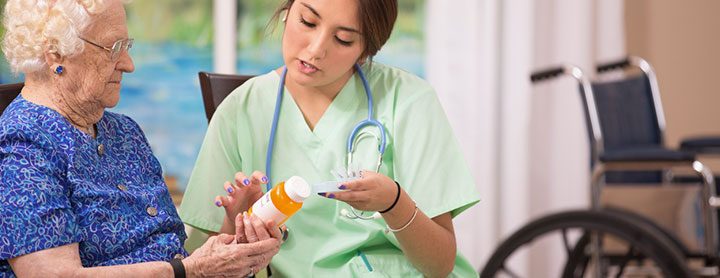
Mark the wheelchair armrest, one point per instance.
(702, 145)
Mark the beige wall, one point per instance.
(681, 39)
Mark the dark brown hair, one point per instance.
(377, 18)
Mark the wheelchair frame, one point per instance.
(633, 223)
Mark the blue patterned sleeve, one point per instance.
(35, 210)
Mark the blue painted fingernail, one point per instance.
(230, 190)
(246, 181)
(217, 203)
(331, 196)
(264, 179)
(342, 187)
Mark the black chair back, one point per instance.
(215, 87)
(8, 92)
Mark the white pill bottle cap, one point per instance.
(297, 189)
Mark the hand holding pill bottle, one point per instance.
(282, 201)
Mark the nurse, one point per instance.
(421, 184)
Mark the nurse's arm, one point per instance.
(428, 243)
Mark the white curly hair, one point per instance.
(33, 27)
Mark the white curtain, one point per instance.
(526, 144)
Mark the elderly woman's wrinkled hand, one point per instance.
(221, 256)
(242, 194)
(250, 228)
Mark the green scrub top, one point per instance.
(422, 155)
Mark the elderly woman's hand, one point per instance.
(221, 256)
(250, 228)
(241, 195)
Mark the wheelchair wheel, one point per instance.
(628, 247)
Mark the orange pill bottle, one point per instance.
(282, 201)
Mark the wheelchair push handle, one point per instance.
(613, 65)
(546, 74)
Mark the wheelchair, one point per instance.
(619, 236)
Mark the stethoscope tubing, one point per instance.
(370, 121)
(273, 129)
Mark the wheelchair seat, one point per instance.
(649, 153)
(703, 145)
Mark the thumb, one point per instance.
(261, 246)
(225, 238)
(239, 227)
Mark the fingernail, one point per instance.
(264, 179)
(331, 196)
(217, 203)
(321, 194)
(246, 181)
(342, 187)
(230, 190)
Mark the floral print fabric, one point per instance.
(60, 186)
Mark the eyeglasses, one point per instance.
(118, 46)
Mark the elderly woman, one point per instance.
(81, 193)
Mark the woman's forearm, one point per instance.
(64, 261)
(428, 243)
(149, 269)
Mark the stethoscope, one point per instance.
(352, 140)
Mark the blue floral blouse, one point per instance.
(60, 186)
